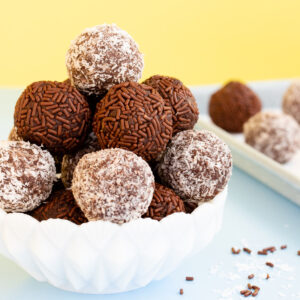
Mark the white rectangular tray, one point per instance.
(284, 179)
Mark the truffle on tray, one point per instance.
(133, 116)
(275, 134)
(27, 174)
(54, 114)
(232, 105)
(113, 185)
(101, 57)
(180, 98)
(291, 100)
(196, 165)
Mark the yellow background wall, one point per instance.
(199, 42)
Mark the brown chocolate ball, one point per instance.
(52, 114)
(184, 107)
(60, 205)
(165, 202)
(70, 161)
(232, 105)
(196, 165)
(275, 134)
(133, 116)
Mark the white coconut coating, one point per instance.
(71, 160)
(197, 165)
(13, 135)
(27, 174)
(291, 101)
(101, 57)
(275, 134)
(113, 185)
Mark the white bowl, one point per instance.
(102, 257)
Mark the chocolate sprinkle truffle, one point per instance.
(60, 205)
(232, 105)
(179, 97)
(133, 116)
(291, 101)
(165, 202)
(27, 174)
(113, 185)
(196, 165)
(275, 134)
(54, 114)
(101, 57)
(70, 161)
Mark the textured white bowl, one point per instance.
(102, 257)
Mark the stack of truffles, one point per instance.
(107, 135)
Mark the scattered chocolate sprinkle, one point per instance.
(255, 293)
(233, 251)
(283, 247)
(298, 252)
(255, 287)
(189, 278)
(249, 286)
(247, 250)
(243, 292)
(269, 249)
(250, 276)
(248, 293)
(262, 252)
(269, 264)
(181, 291)
(268, 276)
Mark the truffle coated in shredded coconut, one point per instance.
(13, 135)
(113, 185)
(291, 100)
(27, 174)
(197, 165)
(101, 57)
(70, 161)
(275, 134)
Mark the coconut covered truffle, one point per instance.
(13, 135)
(52, 114)
(275, 134)
(196, 165)
(113, 185)
(179, 98)
(101, 57)
(165, 202)
(27, 174)
(60, 205)
(133, 116)
(291, 101)
(232, 105)
(70, 161)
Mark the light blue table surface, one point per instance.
(254, 214)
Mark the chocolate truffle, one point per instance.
(275, 134)
(165, 202)
(54, 114)
(232, 105)
(60, 205)
(196, 165)
(70, 161)
(179, 97)
(27, 174)
(133, 116)
(13, 135)
(113, 185)
(101, 57)
(291, 101)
